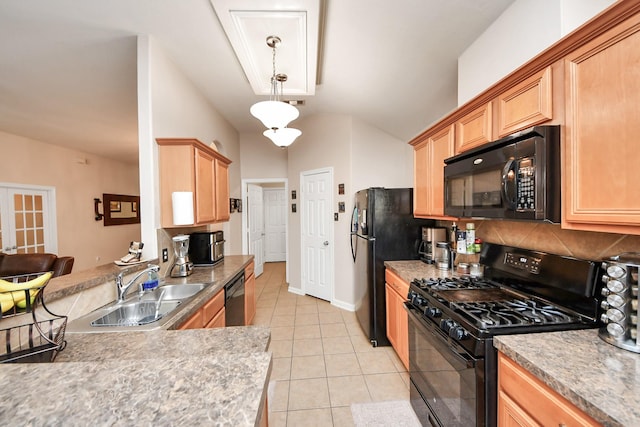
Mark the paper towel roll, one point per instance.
(182, 207)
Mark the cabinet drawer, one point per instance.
(530, 394)
(194, 322)
(396, 283)
(213, 306)
(218, 321)
(248, 270)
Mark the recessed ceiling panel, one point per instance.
(249, 23)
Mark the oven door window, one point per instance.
(445, 376)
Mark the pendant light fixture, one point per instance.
(274, 114)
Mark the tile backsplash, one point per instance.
(551, 238)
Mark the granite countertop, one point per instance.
(196, 377)
(162, 377)
(416, 269)
(600, 379)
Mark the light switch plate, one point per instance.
(335, 216)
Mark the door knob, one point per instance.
(326, 243)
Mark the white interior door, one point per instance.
(255, 210)
(275, 224)
(317, 233)
(27, 220)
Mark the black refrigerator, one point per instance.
(382, 229)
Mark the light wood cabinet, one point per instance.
(601, 151)
(189, 165)
(474, 129)
(524, 400)
(249, 294)
(526, 104)
(429, 156)
(396, 291)
(210, 315)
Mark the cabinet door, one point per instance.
(526, 104)
(194, 322)
(420, 180)
(392, 314)
(441, 146)
(222, 190)
(601, 155)
(218, 320)
(510, 414)
(176, 172)
(205, 190)
(474, 129)
(527, 394)
(396, 290)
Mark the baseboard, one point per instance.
(296, 291)
(343, 305)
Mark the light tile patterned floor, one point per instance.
(322, 362)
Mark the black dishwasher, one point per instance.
(234, 301)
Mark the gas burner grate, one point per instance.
(513, 312)
(446, 283)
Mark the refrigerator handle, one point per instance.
(354, 229)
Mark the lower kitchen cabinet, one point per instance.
(249, 294)
(396, 291)
(524, 400)
(210, 315)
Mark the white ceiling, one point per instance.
(68, 67)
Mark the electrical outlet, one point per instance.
(165, 255)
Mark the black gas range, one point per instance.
(452, 322)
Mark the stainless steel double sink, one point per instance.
(139, 312)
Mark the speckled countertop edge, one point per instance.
(599, 378)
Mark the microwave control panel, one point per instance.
(526, 185)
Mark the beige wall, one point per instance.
(260, 158)
(176, 108)
(26, 161)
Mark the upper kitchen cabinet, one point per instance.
(526, 104)
(429, 154)
(189, 165)
(601, 150)
(474, 129)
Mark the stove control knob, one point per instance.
(432, 312)
(458, 333)
(605, 292)
(447, 324)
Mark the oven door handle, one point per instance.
(458, 351)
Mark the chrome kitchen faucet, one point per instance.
(122, 289)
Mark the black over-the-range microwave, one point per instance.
(516, 177)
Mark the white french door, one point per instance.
(27, 219)
(317, 233)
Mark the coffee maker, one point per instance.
(430, 236)
(182, 267)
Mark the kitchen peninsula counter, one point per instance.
(193, 377)
(600, 379)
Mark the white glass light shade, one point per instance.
(282, 137)
(274, 114)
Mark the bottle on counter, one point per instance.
(471, 238)
(453, 236)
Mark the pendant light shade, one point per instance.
(282, 137)
(274, 114)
